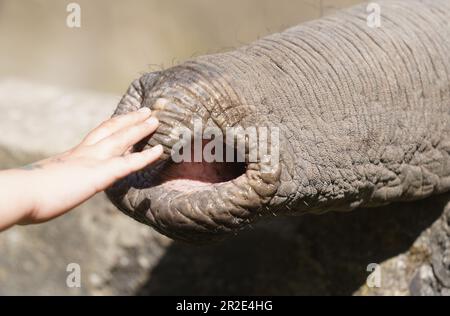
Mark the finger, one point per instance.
(120, 141)
(115, 124)
(136, 161)
(128, 151)
(120, 167)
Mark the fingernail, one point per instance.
(144, 110)
(159, 149)
(152, 121)
(160, 103)
(155, 149)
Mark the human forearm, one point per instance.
(51, 187)
(18, 200)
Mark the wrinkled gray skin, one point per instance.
(364, 118)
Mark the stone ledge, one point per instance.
(38, 121)
(46, 119)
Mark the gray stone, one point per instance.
(326, 254)
(38, 121)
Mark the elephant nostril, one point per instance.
(193, 174)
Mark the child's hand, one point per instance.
(46, 189)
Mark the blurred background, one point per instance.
(118, 40)
(56, 83)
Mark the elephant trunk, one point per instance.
(194, 200)
(363, 116)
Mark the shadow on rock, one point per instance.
(309, 255)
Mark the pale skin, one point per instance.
(49, 188)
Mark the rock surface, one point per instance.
(114, 252)
(327, 254)
(424, 269)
